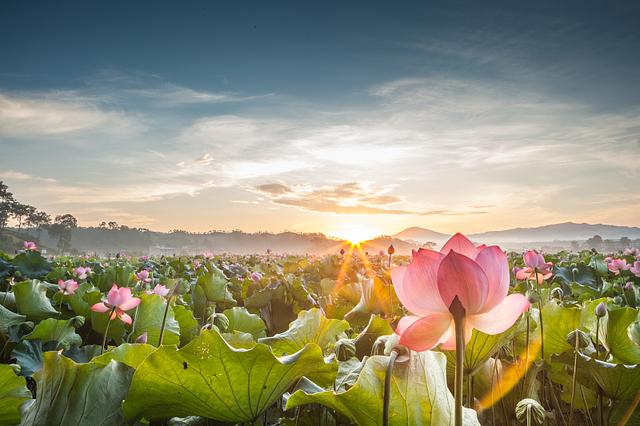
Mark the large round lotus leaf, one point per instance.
(558, 321)
(63, 332)
(617, 338)
(482, 346)
(617, 381)
(31, 264)
(77, 301)
(310, 327)
(13, 393)
(78, 394)
(214, 380)
(32, 300)
(419, 394)
(148, 319)
(242, 320)
(8, 319)
(188, 324)
(131, 354)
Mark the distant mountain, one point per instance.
(421, 235)
(568, 231)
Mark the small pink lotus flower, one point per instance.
(255, 276)
(118, 301)
(207, 255)
(82, 272)
(617, 265)
(160, 290)
(143, 276)
(535, 265)
(196, 264)
(628, 286)
(67, 287)
(143, 258)
(635, 252)
(477, 276)
(142, 338)
(29, 245)
(635, 269)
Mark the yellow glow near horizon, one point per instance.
(355, 233)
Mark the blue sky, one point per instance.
(323, 116)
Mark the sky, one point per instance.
(323, 116)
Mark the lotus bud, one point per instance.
(530, 409)
(634, 332)
(391, 249)
(345, 349)
(221, 321)
(341, 252)
(142, 338)
(628, 286)
(533, 297)
(583, 340)
(601, 309)
(77, 322)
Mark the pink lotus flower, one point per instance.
(535, 265)
(67, 287)
(118, 301)
(143, 258)
(160, 290)
(82, 272)
(635, 269)
(477, 276)
(143, 276)
(632, 252)
(255, 276)
(207, 255)
(617, 265)
(29, 245)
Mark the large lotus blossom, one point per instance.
(29, 245)
(477, 276)
(160, 290)
(143, 276)
(635, 269)
(67, 287)
(535, 266)
(632, 252)
(118, 301)
(617, 265)
(82, 272)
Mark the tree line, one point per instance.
(29, 217)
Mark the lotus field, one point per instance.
(465, 335)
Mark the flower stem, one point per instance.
(573, 379)
(106, 331)
(164, 320)
(387, 388)
(458, 312)
(600, 402)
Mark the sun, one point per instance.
(356, 234)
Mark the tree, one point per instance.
(6, 204)
(21, 211)
(38, 220)
(113, 225)
(62, 228)
(595, 242)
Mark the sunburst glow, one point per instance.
(356, 233)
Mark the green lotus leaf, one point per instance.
(376, 327)
(211, 286)
(28, 355)
(32, 300)
(239, 340)
(77, 300)
(560, 373)
(148, 318)
(82, 354)
(63, 332)
(188, 324)
(419, 394)
(617, 339)
(348, 373)
(9, 318)
(131, 354)
(78, 394)
(8, 300)
(558, 322)
(310, 327)
(374, 299)
(242, 320)
(121, 274)
(6, 269)
(482, 346)
(13, 393)
(217, 381)
(584, 275)
(617, 381)
(31, 264)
